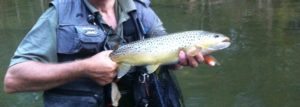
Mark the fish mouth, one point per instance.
(221, 45)
(226, 40)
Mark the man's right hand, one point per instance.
(38, 76)
(100, 68)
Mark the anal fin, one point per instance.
(152, 68)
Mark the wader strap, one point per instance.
(144, 82)
(143, 75)
(157, 84)
(144, 79)
(98, 21)
(138, 25)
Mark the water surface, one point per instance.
(259, 69)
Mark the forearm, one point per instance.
(36, 76)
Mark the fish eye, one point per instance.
(216, 36)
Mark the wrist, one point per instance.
(81, 66)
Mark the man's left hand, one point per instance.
(186, 60)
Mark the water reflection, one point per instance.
(260, 69)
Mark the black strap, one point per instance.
(98, 21)
(138, 25)
(143, 75)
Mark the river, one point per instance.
(259, 69)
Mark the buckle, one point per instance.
(143, 78)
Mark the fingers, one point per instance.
(175, 67)
(182, 58)
(105, 78)
(101, 68)
(103, 82)
(192, 61)
(107, 52)
(199, 57)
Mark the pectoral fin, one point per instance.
(152, 68)
(123, 69)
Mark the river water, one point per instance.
(259, 69)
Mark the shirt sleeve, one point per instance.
(151, 23)
(39, 44)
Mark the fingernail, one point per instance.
(195, 64)
(182, 55)
(201, 58)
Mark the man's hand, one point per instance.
(186, 60)
(38, 76)
(100, 68)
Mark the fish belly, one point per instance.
(148, 59)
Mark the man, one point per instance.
(66, 54)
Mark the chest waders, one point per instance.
(146, 87)
(148, 90)
(138, 88)
(143, 76)
(141, 90)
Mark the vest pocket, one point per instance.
(80, 39)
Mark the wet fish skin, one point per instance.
(161, 50)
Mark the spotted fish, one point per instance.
(161, 50)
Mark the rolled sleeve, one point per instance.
(40, 42)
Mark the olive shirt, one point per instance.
(40, 42)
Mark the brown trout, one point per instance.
(161, 50)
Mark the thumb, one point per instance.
(106, 53)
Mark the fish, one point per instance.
(163, 50)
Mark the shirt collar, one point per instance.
(90, 6)
(122, 10)
(125, 5)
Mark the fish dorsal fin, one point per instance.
(152, 68)
(123, 69)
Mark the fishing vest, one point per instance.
(78, 38)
